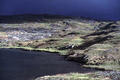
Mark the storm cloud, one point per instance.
(103, 9)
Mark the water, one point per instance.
(16, 64)
(98, 9)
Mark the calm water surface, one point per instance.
(98, 9)
(16, 64)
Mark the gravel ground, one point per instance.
(25, 35)
(113, 75)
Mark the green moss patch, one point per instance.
(72, 76)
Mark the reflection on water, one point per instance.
(100, 9)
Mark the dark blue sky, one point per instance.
(103, 9)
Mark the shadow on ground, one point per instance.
(16, 64)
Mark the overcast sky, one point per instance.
(92, 8)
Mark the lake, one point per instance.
(16, 64)
(97, 9)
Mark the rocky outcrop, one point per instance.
(97, 47)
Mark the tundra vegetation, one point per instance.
(91, 43)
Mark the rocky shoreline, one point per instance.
(90, 43)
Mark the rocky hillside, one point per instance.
(89, 42)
